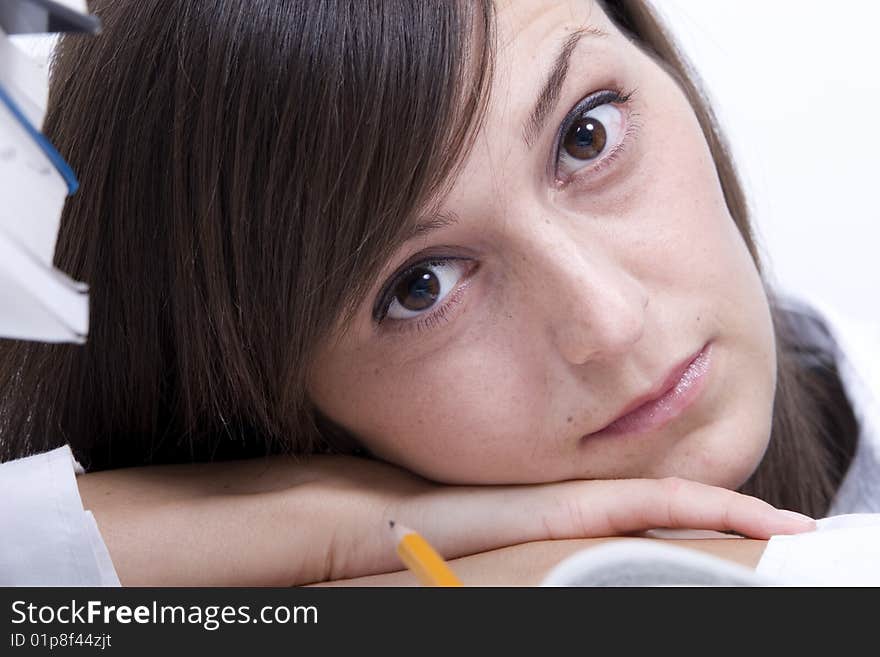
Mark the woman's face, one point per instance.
(583, 264)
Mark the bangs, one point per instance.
(391, 95)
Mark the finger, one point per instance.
(682, 504)
(464, 520)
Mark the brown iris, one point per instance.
(585, 139)
(418, 290)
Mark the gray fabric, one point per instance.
(822, 340)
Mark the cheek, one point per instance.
(457, 415)
(698, 266)
(684, 242)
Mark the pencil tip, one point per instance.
(391, 524)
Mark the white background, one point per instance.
(797, 89)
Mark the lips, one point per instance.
(666, 401)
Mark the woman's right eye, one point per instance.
(422, 288)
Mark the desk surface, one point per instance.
(527, 564)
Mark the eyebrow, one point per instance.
(432, 223)
(549, 95)
(546, 102)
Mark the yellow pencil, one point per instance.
(418, 555)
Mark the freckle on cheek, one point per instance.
(568, 419)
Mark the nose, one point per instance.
(592, 306)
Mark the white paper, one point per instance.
(650, 563)
(37, 302)
(32, 191)
(843, 551)
(25, 79)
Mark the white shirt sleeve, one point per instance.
(47, 538)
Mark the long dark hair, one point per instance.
(245, 167)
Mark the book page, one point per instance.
(25, 79)
(649, 563)
(39, 303)
(843, 551)
(32, 190)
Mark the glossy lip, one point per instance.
(665, 402)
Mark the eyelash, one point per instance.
(591, 102)
(435, 317)
(432, 318)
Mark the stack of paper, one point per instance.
(37, 302)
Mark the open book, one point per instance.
(37, 302)
(843, 551)
(649, 563)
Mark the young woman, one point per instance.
(489, 263)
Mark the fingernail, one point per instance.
(799, 517)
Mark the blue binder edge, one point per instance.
(44, 144)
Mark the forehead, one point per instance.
(529, 39)
(534, 38)
(535, 21)
(530, 36)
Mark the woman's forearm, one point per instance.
(260, 522)
(282, 521)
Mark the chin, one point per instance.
(735, 480)
(724, 451)
(731, 464)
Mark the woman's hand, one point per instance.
(465, 520)
(280, 521)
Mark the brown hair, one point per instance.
(245, 167)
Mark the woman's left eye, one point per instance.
(590, 136)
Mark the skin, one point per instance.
(579, 291)
(579, 295)
(237, 523)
